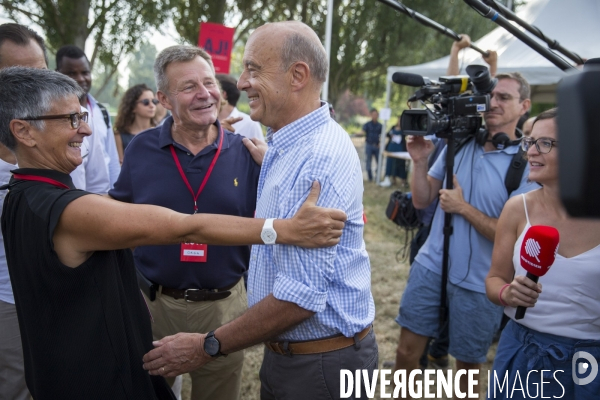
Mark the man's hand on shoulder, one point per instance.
(312, 226)
(228, 123)
(257, 149)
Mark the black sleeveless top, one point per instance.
(84, 330)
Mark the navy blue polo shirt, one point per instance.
(373, 131)
(149, 175)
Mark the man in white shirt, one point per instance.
(102, 164)
(246, 127)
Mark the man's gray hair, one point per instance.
(172, 54)
(297, 47)
(524, 88)
(30, 92)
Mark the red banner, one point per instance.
(217, 40)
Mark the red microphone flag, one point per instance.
(539, 248)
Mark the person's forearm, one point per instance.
(482, 223)
(263, 321)
(419, 184)
(453, 63)
(493, 285)
(232, 231)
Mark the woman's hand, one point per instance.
(521, 292)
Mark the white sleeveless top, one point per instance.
(569, 304)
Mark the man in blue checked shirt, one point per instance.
(313, 309)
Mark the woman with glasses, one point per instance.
(136, 114)
(563, 314)
(83, 321)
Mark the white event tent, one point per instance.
(575, 24)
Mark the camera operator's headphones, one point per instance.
(500, 140)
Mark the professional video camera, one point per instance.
(457, 103)
(579, 140)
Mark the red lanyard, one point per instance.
(212, 164)
(41, 179)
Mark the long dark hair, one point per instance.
(125, 115)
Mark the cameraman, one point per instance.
(476, 201)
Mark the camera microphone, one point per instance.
(408, 79)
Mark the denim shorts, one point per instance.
(541, 357)
(473, 319)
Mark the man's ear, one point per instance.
(526, 106)
(22, 132)
(300, 75)
(164, 100)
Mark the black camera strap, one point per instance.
(512, 181)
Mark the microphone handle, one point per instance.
(521, 310)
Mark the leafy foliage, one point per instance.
(115, 26)
(141, 66)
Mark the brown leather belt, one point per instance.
(192, 295)
(317, 346)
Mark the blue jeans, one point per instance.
(522, 350)
(372, 150)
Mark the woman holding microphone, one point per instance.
(563, 318)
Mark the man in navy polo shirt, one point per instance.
(372, 132)
(190, 164)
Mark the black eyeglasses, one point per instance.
(543, 145)
(74, 118)
(146, 102)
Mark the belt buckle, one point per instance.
(185, 294)
(281, 348)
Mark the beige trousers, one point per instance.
(219, 379)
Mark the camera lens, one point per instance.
(480, 76)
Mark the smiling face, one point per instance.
(267, 84)
(543, 168)
(194, 96)
(79, 70)
(145, 111)
(506, 107)
(58, 145)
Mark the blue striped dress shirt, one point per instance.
(333, 282)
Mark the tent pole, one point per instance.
(328, 26)
(388, 89)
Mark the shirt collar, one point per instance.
(46, 173)
(291, 133)
(165, 138)
(91, 100)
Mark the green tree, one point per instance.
(115, 27)
(367, 36)
(141, 66)
(111, 92)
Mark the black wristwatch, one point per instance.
(212, 346)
